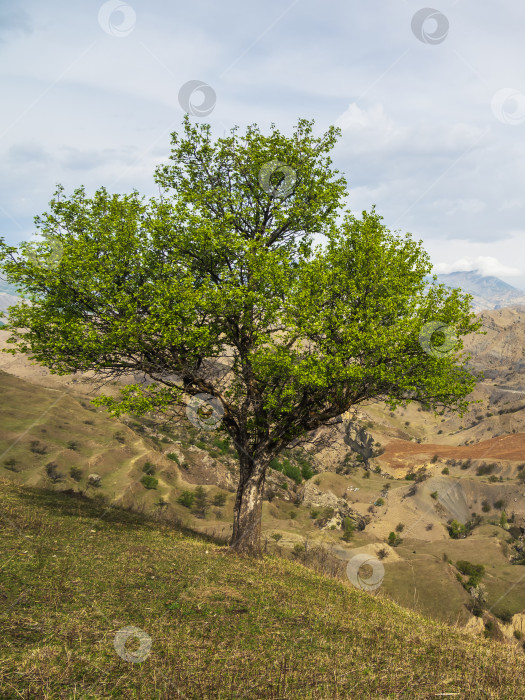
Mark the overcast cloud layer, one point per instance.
(432, 110)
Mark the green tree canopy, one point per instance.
(215, 289)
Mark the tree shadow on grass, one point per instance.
(73, 504)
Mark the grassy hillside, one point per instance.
(74, 573)
(54, 436)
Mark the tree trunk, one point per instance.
(246, 536)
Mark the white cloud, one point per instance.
(485, 264)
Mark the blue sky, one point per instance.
(432, 105)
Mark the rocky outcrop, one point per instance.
(310, 496)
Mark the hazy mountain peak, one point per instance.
(489, 292)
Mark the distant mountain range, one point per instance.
(488, 292)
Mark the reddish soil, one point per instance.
(510, 447)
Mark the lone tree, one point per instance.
(216, 293)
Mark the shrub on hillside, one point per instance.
(37, 448)
(485, 469)
(456, 529)
(200, 504)
(186, 499)
(504, 615)
(288, 469)
(52, 472)
(475, 572)
(149, 481)
(148, 468)
(219, 499)
(394, 540)
(348, 529)
(11, 464)
(75, 473)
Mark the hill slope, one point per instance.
(220, 627)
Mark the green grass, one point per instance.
(73, 573)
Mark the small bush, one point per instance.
(149, 482)
(348, 529)
(434, 495)
(434, 459)
(505, 615)
(456, 529)
(53, 473)
(148, 468)
(394, 540)
(475, 572)
(200, 505)
(400, 527)
(37, 448)
(485, 469)
(445, 470)
(379, 502)
(75, 473)
(11, 464)
(186, 499)
(517, 634)
(219, 499)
